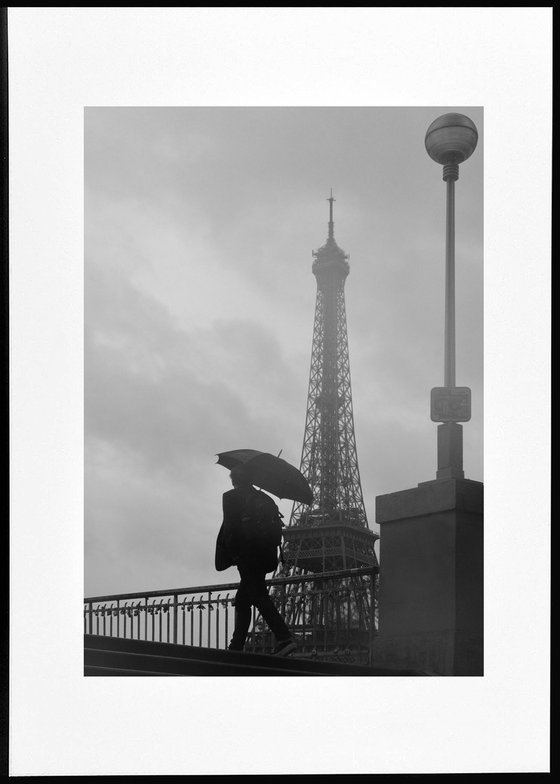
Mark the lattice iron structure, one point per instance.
(333, 533)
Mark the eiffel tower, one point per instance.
(331, 534)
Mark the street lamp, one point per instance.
(450, 140)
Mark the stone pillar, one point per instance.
(431, 578)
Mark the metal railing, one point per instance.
(329, 611)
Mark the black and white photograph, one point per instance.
(221, 312)
(279, 328)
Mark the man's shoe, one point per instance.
(284, 647)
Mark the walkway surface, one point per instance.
(112, 656)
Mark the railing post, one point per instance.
(192, 620)
(167, 621)
(175, 616)
(145, 617)
(217, 622)
(226, 630)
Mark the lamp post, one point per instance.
(450, 140)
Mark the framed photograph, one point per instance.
(228, 232)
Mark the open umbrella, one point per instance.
(270, 473)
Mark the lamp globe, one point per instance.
(451, 139)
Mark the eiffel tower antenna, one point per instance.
(331, 222)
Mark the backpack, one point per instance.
(261, 531)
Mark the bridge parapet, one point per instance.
(203, 616)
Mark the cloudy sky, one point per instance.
(199, 305)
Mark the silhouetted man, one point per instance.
(238, 545)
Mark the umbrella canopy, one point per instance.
(270, 473)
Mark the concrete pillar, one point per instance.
(431, 578)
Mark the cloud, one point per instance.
(199, 303)
(160, 402)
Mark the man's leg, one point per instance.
(264, 604)
(242, 604)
